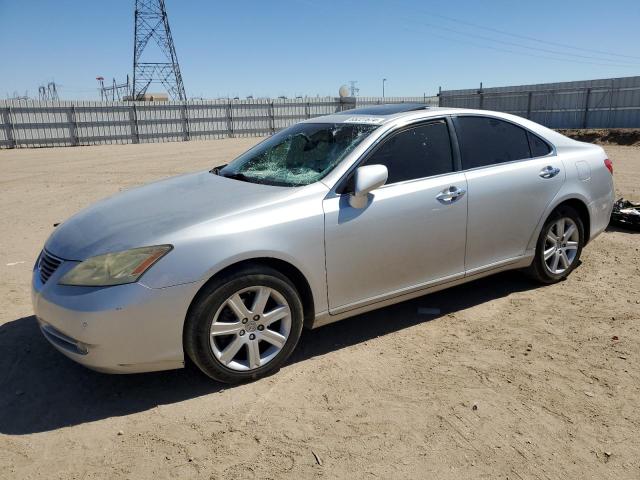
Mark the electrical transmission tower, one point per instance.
(50, 92)
(116, 91)
(152, 23)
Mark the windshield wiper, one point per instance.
(236, 176)
(216, 170)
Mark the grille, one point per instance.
(47, 265)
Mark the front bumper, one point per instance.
(121, 329)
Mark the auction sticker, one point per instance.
(369, 120)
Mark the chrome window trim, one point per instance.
(421, 179)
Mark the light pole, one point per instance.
(383, 80)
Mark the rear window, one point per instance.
(489, 141)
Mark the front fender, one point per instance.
(294, 234)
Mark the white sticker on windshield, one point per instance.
(369, 120)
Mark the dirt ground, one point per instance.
(509, 380)
(605, 136)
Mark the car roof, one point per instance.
(377, 114)
(387, 109)
(407, 112)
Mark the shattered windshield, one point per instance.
(299, 155)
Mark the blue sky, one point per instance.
(310, 47)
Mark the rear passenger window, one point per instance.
(539, 148)
(417, 152)
(489, 141)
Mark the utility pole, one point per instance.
(151, 22)
(352, 88)
(100, 80)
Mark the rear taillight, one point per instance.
(609, 165)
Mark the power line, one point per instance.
(520, 54)
(526, 37)
(69, 88)
(568, 56)
(520, 45)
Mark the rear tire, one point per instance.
(244, 325)
(559, 246)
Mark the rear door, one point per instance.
(411, 233)
(512, 176)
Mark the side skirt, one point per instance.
(325, 318)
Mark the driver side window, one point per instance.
(417, 152)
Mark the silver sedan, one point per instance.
(327, 219)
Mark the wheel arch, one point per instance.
(287, 269)
(581, 207)
(578, 204)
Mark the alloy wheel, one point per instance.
(561, 245)
(250, 328)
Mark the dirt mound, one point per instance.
(605, 136)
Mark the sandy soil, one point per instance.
(605, 136)
(510, 380)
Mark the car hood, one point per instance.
(148, 215)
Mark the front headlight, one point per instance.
(114, 268)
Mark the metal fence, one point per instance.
(607, 103)
(27, 123)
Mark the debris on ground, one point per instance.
(626, 214)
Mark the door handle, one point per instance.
(451, 194)
(549, 172)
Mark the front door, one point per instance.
(412, 231)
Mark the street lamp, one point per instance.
(383, 80)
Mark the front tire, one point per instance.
(559, 246)
(244, 325)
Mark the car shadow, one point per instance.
(41, 390)
(623, 228)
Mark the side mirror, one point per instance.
(366, 179)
